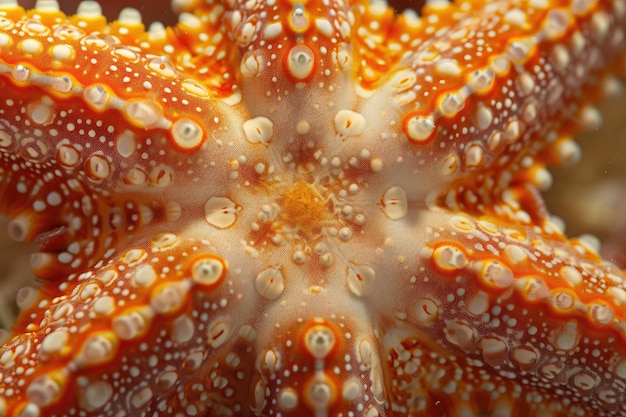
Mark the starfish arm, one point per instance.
(93, 132)
(488, 99)
(484, 303)
(93, 352)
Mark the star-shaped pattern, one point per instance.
(283, 208)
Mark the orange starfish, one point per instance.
(316, 207)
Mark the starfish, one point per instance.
(317, 207)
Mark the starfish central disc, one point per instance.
(304, 208)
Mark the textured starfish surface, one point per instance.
(283, 208)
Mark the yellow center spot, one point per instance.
(303, 207)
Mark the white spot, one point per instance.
(182, 329)
(319, 341)
(270, 283)
(419, 128)
(144, 113)
(252, 65)
(258, 130)
(54, 343)
(448, 67)
(351, 390)
(302, 127)
(220, 212)
(187, 134)
(324, 27)
(395, 203)
(272, 30)
(207, 271)
(484, 117)
(169, 297)
(43, 391)
(300, 62)
(141, 397)
(349, 123)
(126, 143)
(516, 17)
(96, 395)
(376, 164)
(31, 46)
(288, 399)
(426, 311)
(219, 333)
(451, 104)
(359, 278)
(144, 276)
(130, 325)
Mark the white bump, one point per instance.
(571, 275)
(169, 297)
(300, 62)
(96, 96)
(207, 271)
(89, 9)
(351, 390)
(270, 283)
(130, 325)
(515, 17)
(144, 276)
(258, 130)
(187, 134)
(182, 329)
(31, 46)
(43, 391)
(620, 369)
(448, 67)
(126, 143)
(360, 278)
(54, 343)
(96, 395)
(451, 104)
(220, 212)
(97, 349)
(129, 15)
(144, 113)
(349, 123)
(319, 341)
(484, 117)
(324, 27)
(481, 80)
(419, 128)
(365, 353)
(426, 311)
(219, 333)
(252, 65)
(288, 399)
(272, 30)
(395, 203)
(141, 397)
